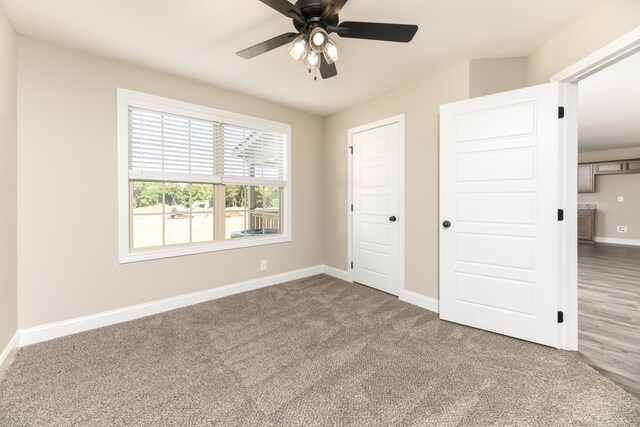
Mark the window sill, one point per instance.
(128, 256)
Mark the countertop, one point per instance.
(586, 206)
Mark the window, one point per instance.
(194, 179)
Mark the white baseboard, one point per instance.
(337, 273)
(615, 241)
(428, 303)
(9, 353)
(80, 324)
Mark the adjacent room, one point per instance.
(608, 221)
(315, 212)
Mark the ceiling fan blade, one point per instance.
(377, 31)
(331, 7)
(327, 70)
(266, 45)
(283, 6)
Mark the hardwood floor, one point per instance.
(609, 311)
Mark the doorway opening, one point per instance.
(594, 273)
(609, 222)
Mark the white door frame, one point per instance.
(400, 119)
(614, 52)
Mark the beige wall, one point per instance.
(67, 178)
(8, 195)
(603, 24)
(420, 102)
(487, 76)
(604, 155)
(610, 212)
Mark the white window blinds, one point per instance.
(253, 156)
(172, 147)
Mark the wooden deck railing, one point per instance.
(264, 219)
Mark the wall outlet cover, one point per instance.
(621, 198)
(622, 229)
(263, 264)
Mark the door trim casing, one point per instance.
(610, 54)
(400, 119)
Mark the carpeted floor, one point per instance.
(317, 351)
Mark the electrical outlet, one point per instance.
(621, 199)
(622, 229)
(263, 264)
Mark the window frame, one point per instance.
(125, 98)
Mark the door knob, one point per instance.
(446, 224)
(392, 218)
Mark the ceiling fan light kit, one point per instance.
(308, 48)
(314, 20)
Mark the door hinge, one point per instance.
(560, 317)
(351, 149)
(561, 112)
(352, 265)
(560, 214)
(351, 208)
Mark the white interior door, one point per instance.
(499, 192)
(375, 216)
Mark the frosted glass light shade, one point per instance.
(318, 39)
(331, 51)
(313, 58)
(298, 48)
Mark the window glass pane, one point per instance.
(177, 225)
(264, 215)
(147, 231)
(146, 197)
(235, 210)
(253, 211)
(147, 210)
(202, 213)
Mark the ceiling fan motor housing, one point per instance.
(312, 9)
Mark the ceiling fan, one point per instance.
(314, 20)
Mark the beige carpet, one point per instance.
(316, 351)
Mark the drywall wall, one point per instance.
(615, 154)
(8, 187)
(487, 76)
(67, 176)
(420, 102)
(611, 213)
(604, 23)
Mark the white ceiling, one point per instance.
(197, 39)
(609, 107)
